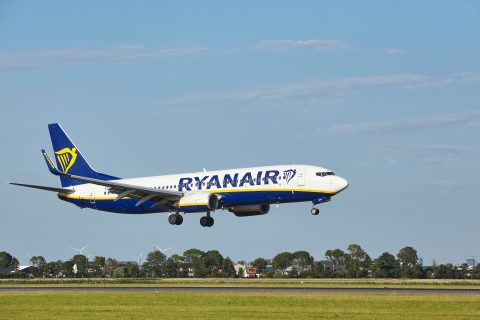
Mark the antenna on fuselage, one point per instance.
(204, 170)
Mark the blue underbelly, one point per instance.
(227, 199)
(260, 197)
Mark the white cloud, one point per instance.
(311, 44)
(469, 118)
(428, 154)
(70, 56)
(448, 160)
(315, 92)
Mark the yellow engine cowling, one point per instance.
(198, 202)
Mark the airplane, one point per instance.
(244, 192)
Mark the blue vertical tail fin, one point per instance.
(70, 160)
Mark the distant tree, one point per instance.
(339, 261)
(385, 266)
(260, 264)
(240, 272)
(40, 264)
(318, 270)
(408, 263)
(131, 270)
(118, 273)
(156, 263)
(191, 255)
(171, 268)
(463, 272)
(14, 264)
(476, 272)
(81, 262)
(213, 261)
(293, 273)
(67, 269)
(54, 268)
(110, 266)
(302, 261)
(358, 263)
(443, 271)
(282, 261)
(278, 274)
(228, 271)
(98, 266)
(5, 259)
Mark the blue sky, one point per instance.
(384, 93)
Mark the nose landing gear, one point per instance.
(315, 211)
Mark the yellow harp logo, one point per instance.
(66, 157)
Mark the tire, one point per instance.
(204, 221)
(315, 211)
(172, 219)
(210, 221)
(179, 220)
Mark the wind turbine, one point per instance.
(29, 257)
(157, 248)
(139, 260)
(80, 251)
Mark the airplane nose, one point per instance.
(340, 184)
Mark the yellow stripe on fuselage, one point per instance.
(193, 204)
(87, 197)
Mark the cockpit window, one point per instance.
(323, 174)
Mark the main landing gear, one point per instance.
(315, 211)
(175, 219)
(206, 221)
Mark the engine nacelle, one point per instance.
(250, 210)
(198, 202)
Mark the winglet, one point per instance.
(50, 164)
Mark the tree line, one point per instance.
(352, 263)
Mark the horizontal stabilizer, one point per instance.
(59, 190)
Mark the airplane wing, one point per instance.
(122, 189)
(60, 190)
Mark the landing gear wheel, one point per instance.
(173, 219)
(210, 221)
(179, 220)
(204, 221)
(314, 211)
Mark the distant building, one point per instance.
(237, 268)
(5, 270)
(327, 264)
(420, 262)
(186, 268)
(250, 272)
(269, 268)
(29, 270)
(471, 263)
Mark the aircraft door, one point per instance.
(300, 178)
(92, 200)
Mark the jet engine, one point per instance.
(198, 202)
(250, 210)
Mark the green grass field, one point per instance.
(184, 305)
(221, 282)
